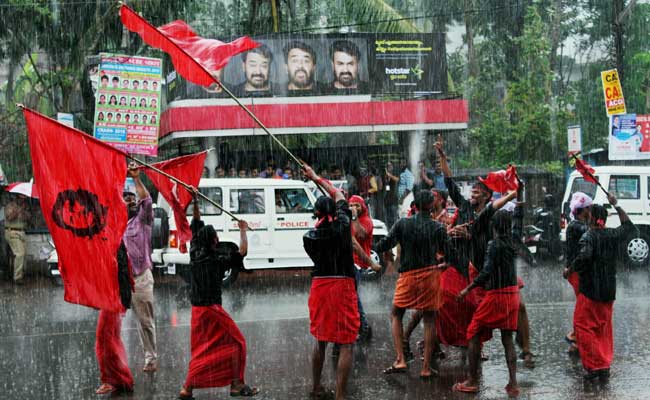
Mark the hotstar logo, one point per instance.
(417, 71)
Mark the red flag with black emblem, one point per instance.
(502, 181)
(194, 58)
(80, 181)
(186, 169)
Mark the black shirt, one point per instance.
(207, 268)
(574, 232)
(499, 270)
(420, 239)
(123, 276)
(596, 261)
(330, 245)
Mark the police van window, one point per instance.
(625, 187)
(206, 208)
(580, 185)
(247, 201)
(292, 201)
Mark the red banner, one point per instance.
(502, 181)
(186, 169)
(80, 181)
(194, 58)
(586, 171)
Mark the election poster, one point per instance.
(574, 139)
(127, 108)
(629, 137)
(613, 91)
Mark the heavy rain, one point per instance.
(333, 199)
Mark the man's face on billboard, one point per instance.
(256, 68)
(300, 68)
(346, 69)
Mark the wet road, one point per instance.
(47, 345)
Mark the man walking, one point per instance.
(137, 239)
(16, 216)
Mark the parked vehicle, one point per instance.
(631, 187)
(278, 211)
(543, 238)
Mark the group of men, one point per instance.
(300, 64)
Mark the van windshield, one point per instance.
(580, 185)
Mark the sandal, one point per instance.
(185, 394)
(461, 387)
(527, 356)
(395, 370)
(513, 391)
(106, 388)
(434, 373)
(245, 391)
(322, 394)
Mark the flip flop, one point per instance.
(395, 370)
(512, 391)
(323, 394)
(245, 391)
(434, 373)
(106, 388)
(185, 395)
(462, 388)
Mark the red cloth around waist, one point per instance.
(110, 352)
(592, 322)
(499, 309)
(419, 289)
(218, 349)
(333, 310)
(454, 316)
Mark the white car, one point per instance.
(631, 186)
(278, 211)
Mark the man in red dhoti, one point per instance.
(421, 240)
(114, 369)
(218, 346)
(581, 210)
(596, 266)
(333, 302)
(499, 308)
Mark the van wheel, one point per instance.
(637, 250)
(230, 276)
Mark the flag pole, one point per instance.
(186, 186)
(574, 156)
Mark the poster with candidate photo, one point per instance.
(127, 108)
(332, 64)
(629, 137)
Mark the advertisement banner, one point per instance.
(614, 101)
(629, 137)
(331, 64)
(127, 109)
(65, 119)
(574, 140)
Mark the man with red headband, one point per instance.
(333, 302)
(421, 240)
(362, 244)
(596, 267)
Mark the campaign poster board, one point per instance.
(291, 65)
(574, 139)
(629, 137)
(127, 108)
(613, 91)
(65, 119)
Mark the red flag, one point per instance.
(502, 181)
(187, 169)
(80, 180)
(586, 170)
(194, 58)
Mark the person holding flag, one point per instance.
(218, 346)
(596, 267)
(137, 239)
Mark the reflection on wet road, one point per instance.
(47, 345)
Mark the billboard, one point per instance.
(614, 101)
(629, 137)
(127, 108)
(331, 64)
(574, 139)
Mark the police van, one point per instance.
(631, 186)
(279, 212)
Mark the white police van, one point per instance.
(631, 186)
(278, 211)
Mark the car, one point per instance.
(278, 211)
(631, 186)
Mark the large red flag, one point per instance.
(502, 181)
(187, 169)
(586, 170)
(194, 57)
(80, 181)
